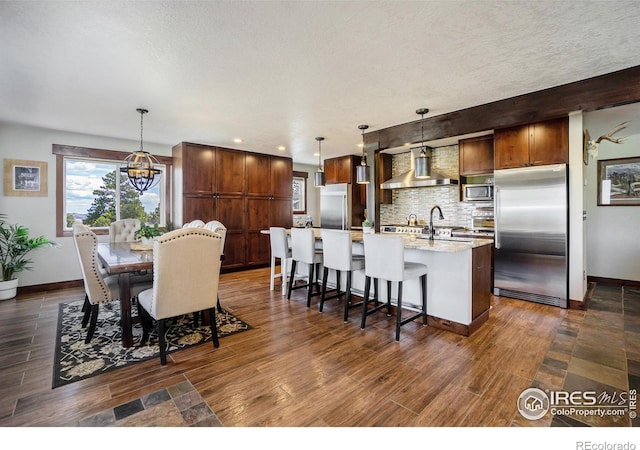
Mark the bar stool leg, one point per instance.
(399, 311)
(273, 272)
(365, 302)
(310, 286)
(424, 300)
(347, 298)
(291, 278)
(389, 298)
(325, 275)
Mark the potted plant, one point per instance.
(367, 226)
(15, 245)
(146, 233)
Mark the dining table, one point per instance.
(125, 259)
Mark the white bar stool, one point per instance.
(384, 259)
(303, 250)
(279, 250)
(338, 255)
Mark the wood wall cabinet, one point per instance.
(534, 144)
(476, 155)
(245, 191)
(385, 172)
(343, 170)
(268, 202)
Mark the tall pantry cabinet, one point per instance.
(215, 183)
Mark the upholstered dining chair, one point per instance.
(124, 230)
(194, 224)
(98, 286)
(218, 227)
(180, 286)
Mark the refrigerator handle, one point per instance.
(344, 213)
(497, 218)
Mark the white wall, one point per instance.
(39, 213)
(613, 247)
(577, 257)
(313, 194)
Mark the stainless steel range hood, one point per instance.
(409, 179)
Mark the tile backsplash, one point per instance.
(419, 201)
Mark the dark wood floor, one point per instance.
(298, 367)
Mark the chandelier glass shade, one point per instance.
(140, 166)
(362, 171)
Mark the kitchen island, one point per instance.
(458, 280)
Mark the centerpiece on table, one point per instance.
(146, 233)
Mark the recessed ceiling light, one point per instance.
(360, 145)
(281, 147)
(237, 140)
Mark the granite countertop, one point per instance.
(451, 244)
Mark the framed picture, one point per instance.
(25, 178)
(619, 182)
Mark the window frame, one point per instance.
(62, 151)
(303, 176)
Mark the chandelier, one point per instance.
(319, 177)
(140, 166)
(362, 171)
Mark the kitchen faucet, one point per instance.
(431, 233)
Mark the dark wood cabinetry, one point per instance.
(534, 144)
(247, 192)
(476, 156)
(343, 170)
(385, 172)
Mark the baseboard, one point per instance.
(50, 286)
(458, 328)
(613, 281)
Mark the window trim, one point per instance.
(305, 176)
(111, 155)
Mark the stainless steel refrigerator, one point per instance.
(531, 259)
(335, 206)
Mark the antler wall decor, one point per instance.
(590, 146)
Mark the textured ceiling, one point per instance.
(281, 73)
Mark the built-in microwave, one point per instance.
(477, 192)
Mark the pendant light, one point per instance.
(140, 166)
(362, 171)
(422, 163)
(318, 177)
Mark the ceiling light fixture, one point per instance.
(318, 177)
(362, 171)
(422, 162)
(140, 166)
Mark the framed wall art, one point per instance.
(25, 178)
(619, 182)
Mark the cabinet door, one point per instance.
(230, 171)
(549, 142)
(198, 207)
(258, 213)
(198, 167)
(331, 171)
(281, 212)
(481, 280)
(511, 147)
(257, 170)
(258, 248)
(476, 156)
(234, 250)
(230, 211)
(345, 169)
(281, 177)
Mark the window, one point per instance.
(91, 188)
(300, 192)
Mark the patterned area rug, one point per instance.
(75, 360)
